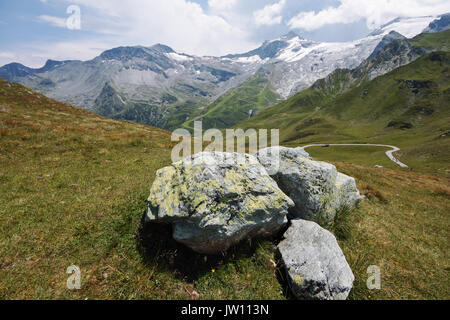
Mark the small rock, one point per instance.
(315, 265)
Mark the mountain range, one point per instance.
(159, 86)
(398, 96)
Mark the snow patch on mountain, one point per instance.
(252, 59)
(179, 57)
(317, 61)
(307, 61)
(297, 49)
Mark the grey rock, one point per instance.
(315, 265)
(275, 158)
(387, 39)
(318, 190)
(215, 200)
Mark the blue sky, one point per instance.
(32, 31)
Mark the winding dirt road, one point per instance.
(388, 153)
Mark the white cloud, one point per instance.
(54, 21)
(270, 14)
(35, 54)
(375, 13)
(6, 55)
(222, 4)
(225, 26)
(68, 50)
(180, 24)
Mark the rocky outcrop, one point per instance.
(315, 265)
(387, 39)
(317, 188)
(439, 25)
(214, 200)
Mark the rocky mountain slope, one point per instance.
(159, 86)
(441, 24)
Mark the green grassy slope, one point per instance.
(253, 95)
(73, 187)
(407, 107)
(437, 41)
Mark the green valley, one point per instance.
(245, 101)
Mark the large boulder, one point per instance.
(317, 188)
(216, 199)
(315, 265)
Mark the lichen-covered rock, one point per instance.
(317, 188)
(315, 265)
(274, 159)
(216, 199)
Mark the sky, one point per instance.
(32, 31)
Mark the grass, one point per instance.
(432, 40)
(73, 187)
(403, 227)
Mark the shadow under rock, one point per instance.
(282, 277)
(158, 248)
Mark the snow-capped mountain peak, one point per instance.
(289, 36)
(296, 49)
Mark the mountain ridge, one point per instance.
(144, 76)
